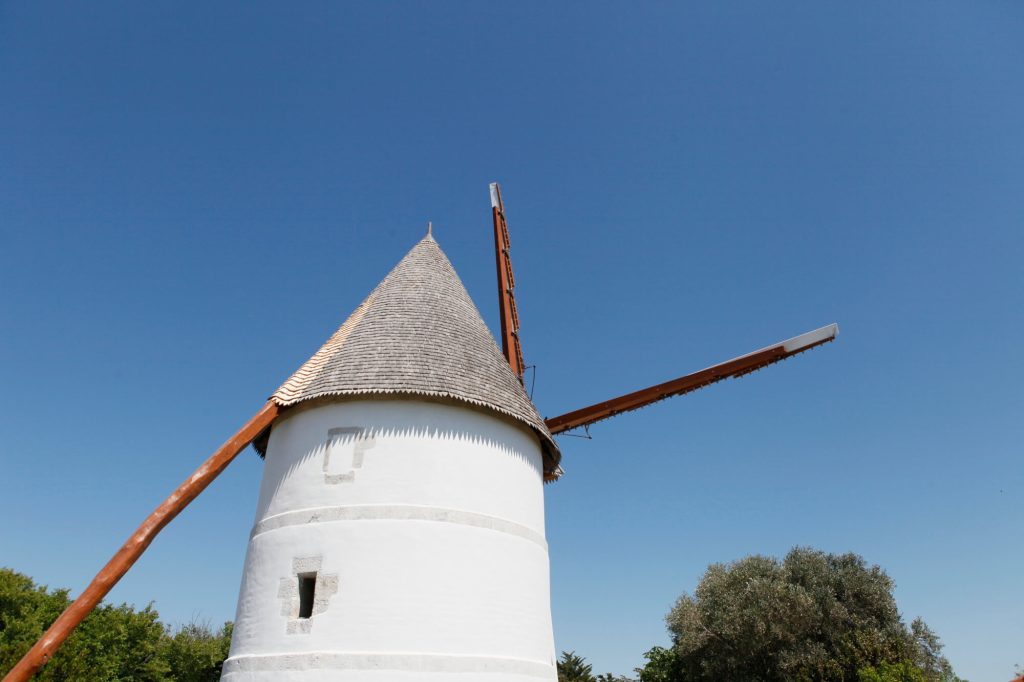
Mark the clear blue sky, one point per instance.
(193, 198)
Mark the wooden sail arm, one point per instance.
(43, 650)
(691, 382)
(510, 345)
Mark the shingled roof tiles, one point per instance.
(419, 333)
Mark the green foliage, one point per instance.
(926, 654)
(112, 644)
(196, 654)
(576, 669)
(573, 668)
(25, 611)
(662, 666)
(905, 671)
(811, 617)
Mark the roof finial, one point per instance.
(430, 228)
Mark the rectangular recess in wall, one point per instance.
(307, 592)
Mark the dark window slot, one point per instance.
(307, 591)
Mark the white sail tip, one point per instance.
(797, 343)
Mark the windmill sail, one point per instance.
(510, 345)
(736, 367)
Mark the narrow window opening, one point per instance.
(307, 591)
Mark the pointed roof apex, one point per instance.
(419, 334)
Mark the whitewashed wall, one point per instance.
(425, 524)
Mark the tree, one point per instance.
(812, 617)
(25, 612)
(196, 654)
(573, 668)
(927, 654)
(662, 666)
(113, 643)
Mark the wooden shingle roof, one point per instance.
(419, 334)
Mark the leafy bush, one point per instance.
(112, 644)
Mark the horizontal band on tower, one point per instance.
(396, 512)
(427, 663)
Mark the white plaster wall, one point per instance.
(435, 534)
(331, 674)
(425, 453)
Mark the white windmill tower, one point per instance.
(400, 526)
(399, 532)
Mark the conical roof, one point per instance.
(418, 333)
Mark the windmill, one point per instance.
(399, 530)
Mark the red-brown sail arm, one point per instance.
(691, 382)
(43, 650)
(510, 345)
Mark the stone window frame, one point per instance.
(362, 440)
(325, 587)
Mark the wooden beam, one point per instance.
(691, 382)
(129, 553)
(510, 345)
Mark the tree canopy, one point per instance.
(813, 616)
(113, 643)
(573, 668)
